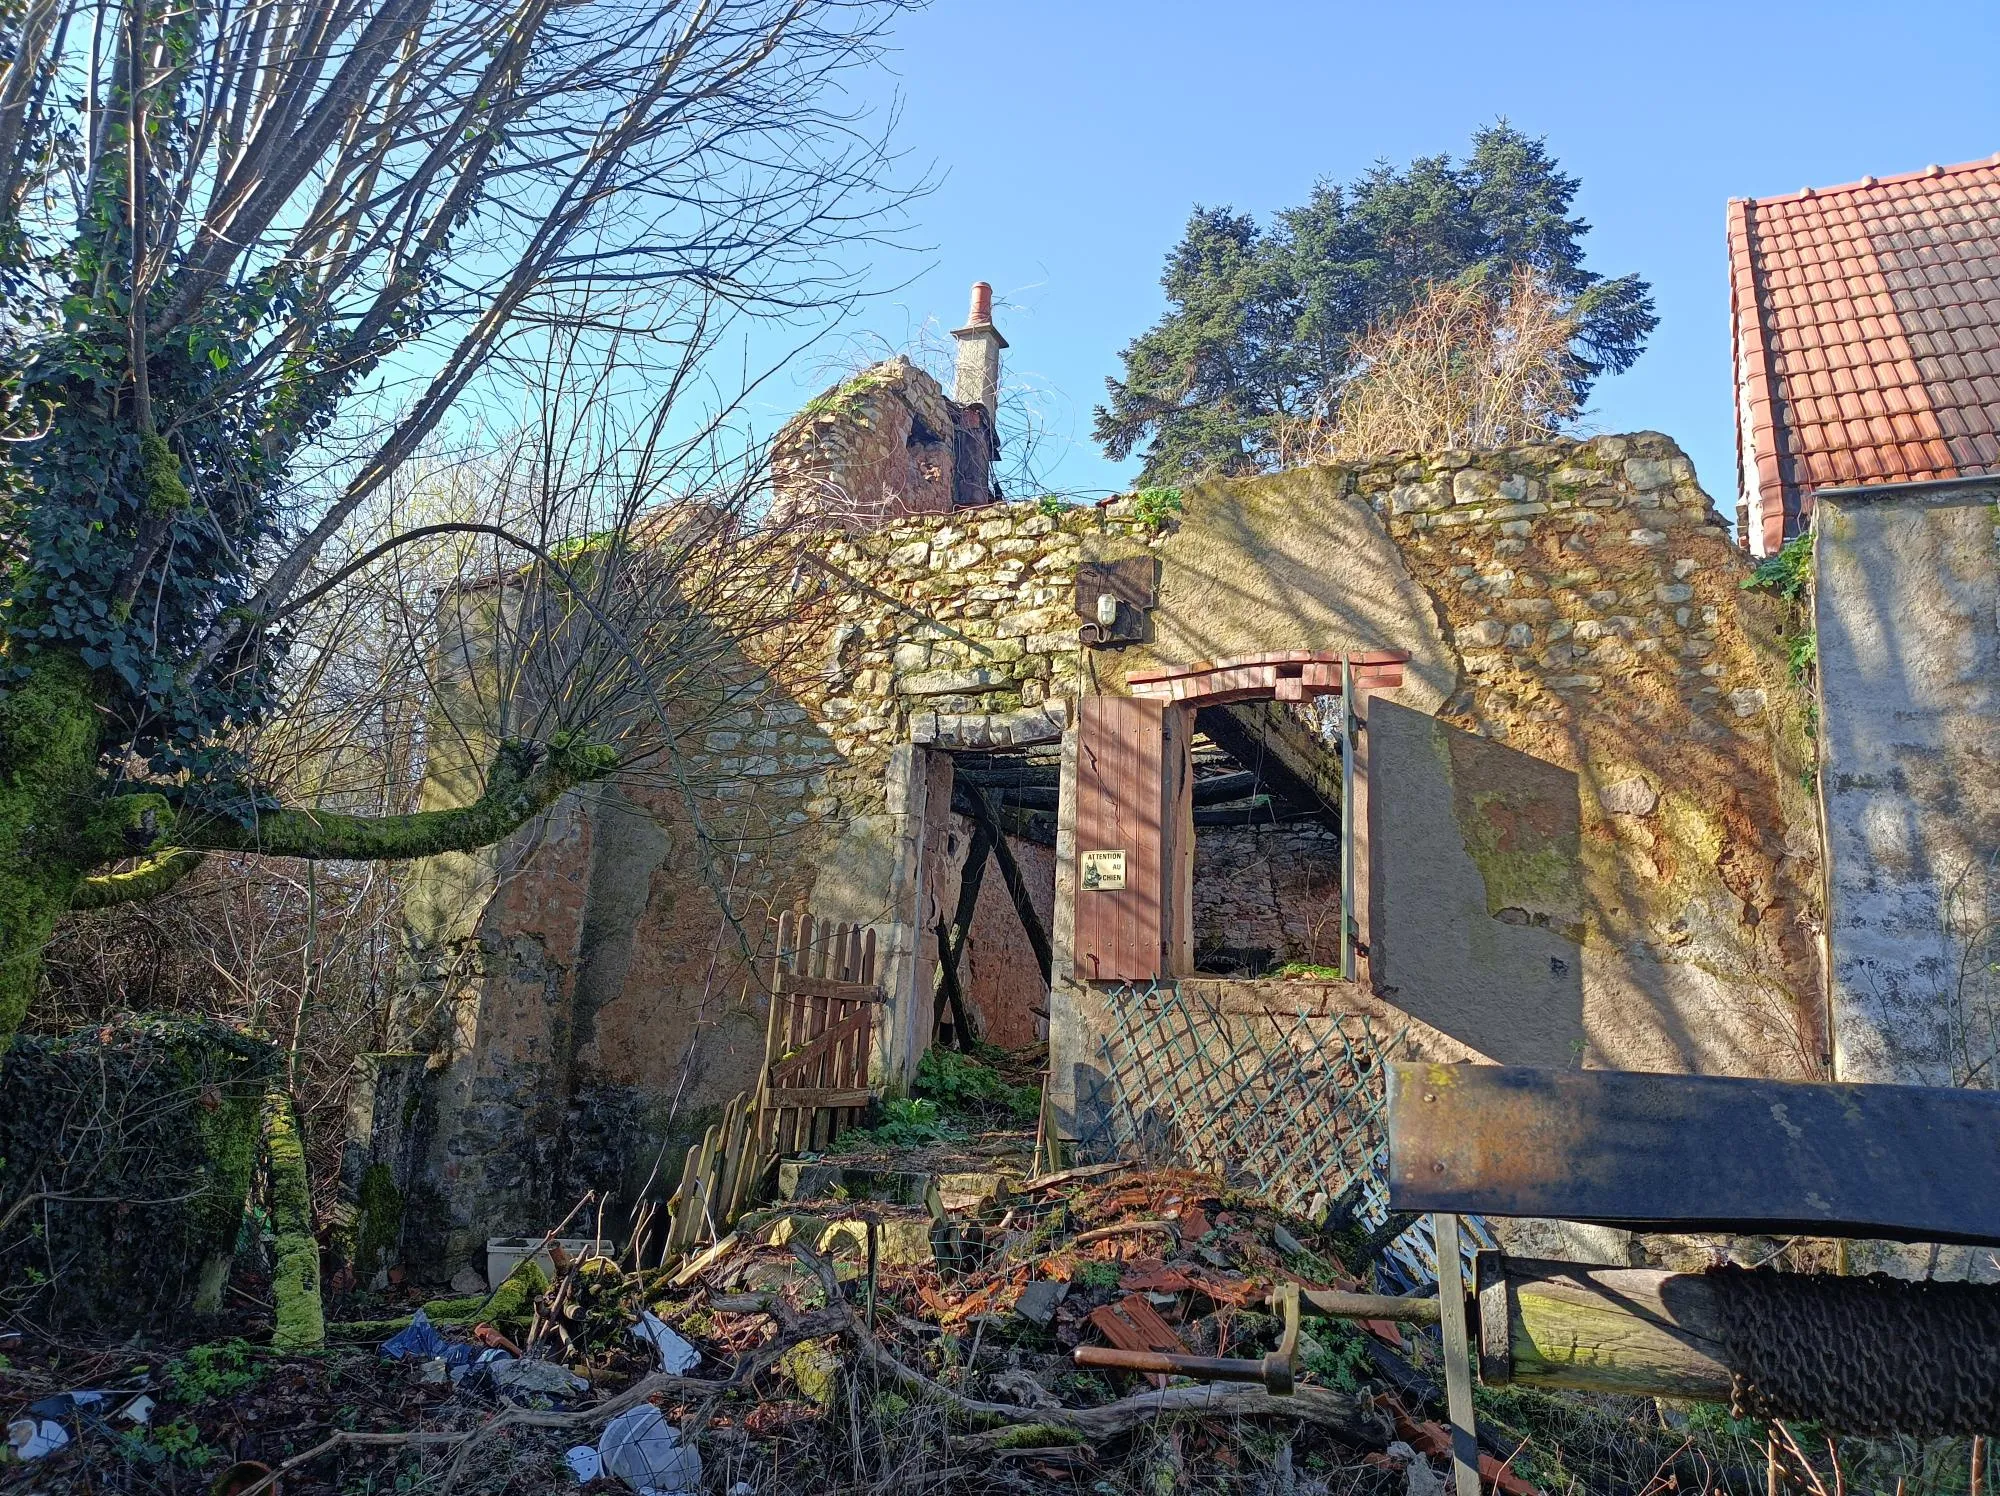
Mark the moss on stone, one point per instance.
(295, 1284)
(378, 1221)
(814, 1370)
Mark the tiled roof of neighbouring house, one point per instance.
(1867, 336)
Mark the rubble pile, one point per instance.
(880, 1300)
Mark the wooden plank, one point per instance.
(1118, 777)
(1176, 841)
(1243, 741)
(734, 1154)
(802, 1097)
(1706, 1152)
(800, 986)
(796, 1065)
(1457, 1355)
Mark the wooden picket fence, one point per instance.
(814, 1082)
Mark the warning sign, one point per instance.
(1103, 871)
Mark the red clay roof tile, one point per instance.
(1867, 330)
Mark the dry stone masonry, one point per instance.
(1607, 758)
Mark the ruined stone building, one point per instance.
(1519, 705)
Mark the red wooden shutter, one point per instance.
(1120, 759)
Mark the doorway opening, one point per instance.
(1267, 848)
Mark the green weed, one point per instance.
(1153, 507)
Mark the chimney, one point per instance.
(979, 345)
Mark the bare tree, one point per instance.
(260, 255)
(1472, 366)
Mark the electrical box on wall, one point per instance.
(1113, 597)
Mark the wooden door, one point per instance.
(1124, 787)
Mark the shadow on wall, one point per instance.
(1476, 866)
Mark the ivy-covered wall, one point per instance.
(126, 1155)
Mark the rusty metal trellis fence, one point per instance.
(1288, 1106)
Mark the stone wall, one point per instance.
(1596, 604)
(883, 445)
(1266, 895)
(1906, 607)
(1589, 833)
(589, 992)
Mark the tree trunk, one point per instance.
(52, 815)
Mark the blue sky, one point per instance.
(1072, 140)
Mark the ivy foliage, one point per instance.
(128, 541)
(1262, 321)
(141, 1140)
(1786, 572)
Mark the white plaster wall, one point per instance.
(1907, 608)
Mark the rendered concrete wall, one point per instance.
(1476, 861)
(1906, 603)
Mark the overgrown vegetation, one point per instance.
(972, 1083)
(1154, 507)
(126, 1153)
(250, 275)
(1265, 323)
(1480, 362)
(954, 1094)
(1787, 571)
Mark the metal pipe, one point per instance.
(1332, 1304)
(1274, 1372)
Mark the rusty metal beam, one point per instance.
(1905, 1163)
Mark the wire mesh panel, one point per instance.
(1284, 1105)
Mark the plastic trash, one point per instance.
(469, 1365)
(584, 1464)
(521, 1379)
(645, 1451)
(1419, 1479)
(676, 1355)
(419, 1342)
(63, 1405)
(138, 1410)
(34, 1437)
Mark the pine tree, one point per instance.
(1264, 321)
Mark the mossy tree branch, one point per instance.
(148, 880)
(525, 780)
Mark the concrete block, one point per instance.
(901, 1241)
